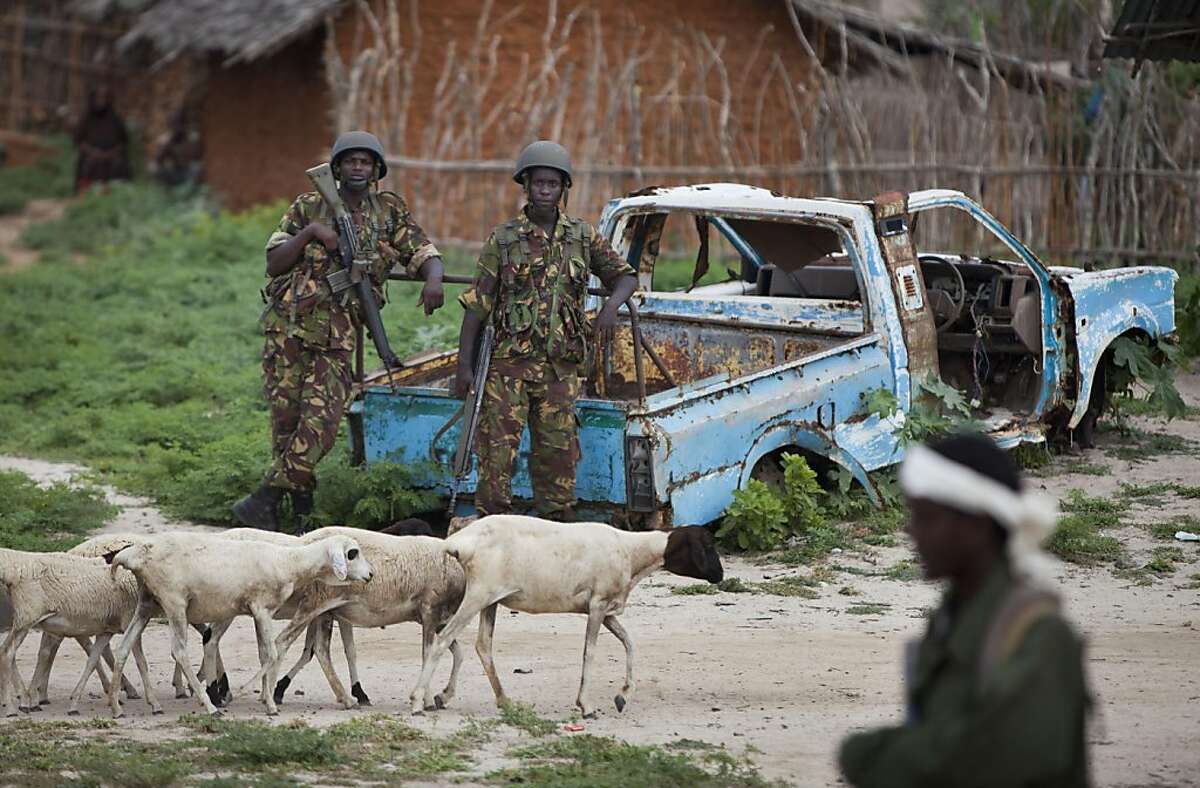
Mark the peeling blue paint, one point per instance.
(707, 435)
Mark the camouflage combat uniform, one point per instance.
(310, 334)
(537, 285)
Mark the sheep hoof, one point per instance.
(360, 695)
(33, 708)
(281, 687)
(44, 702)
(156, 712)
(439, 702)
(181, 694)
(132, 695)
(590, 715)
(73, 713)
(620, 702)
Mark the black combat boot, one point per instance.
(259, 509)
(302, 507)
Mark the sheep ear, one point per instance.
(338, 559)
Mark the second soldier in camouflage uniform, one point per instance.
(532, 281)
(310, 333)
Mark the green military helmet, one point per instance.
(544, 153)
(358, 140)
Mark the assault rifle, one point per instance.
(354, 273)
(470, 412)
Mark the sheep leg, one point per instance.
(457, 655)
(614, 626)
(306, 654)
(266, 655)
(325, 660)
(212, 671)
(467, 610)
(131, 692)
(8, 669)
(134, 631)
(47, 650)
(139, 657)
(93, 661)
(595, 616)
(483, 647)
(176, 612)
(347, 632)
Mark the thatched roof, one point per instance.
(238, 30)
(1156, 30)
(887, 42)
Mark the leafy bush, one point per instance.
(48, 519)
(144, 362)
(370, 496)
(756, 519)
(1151, 366)
(53, 176)
(1187, 314)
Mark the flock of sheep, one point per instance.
(114, 584)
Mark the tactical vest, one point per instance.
(308, 287)
(566, 331)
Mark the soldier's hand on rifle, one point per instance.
(324, 234)
(461, 385)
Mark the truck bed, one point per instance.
(692, 347)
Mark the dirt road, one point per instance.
(790, 676)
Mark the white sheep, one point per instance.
(124, 591)
(537, 566)
(66, 596)
(201, 578)
(414, 580)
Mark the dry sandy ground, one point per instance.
(786, 676)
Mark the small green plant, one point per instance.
(1077, 536)
(868, 609)
(587, 761)
(51, 176)
(256, 745)
(525, 717)
(756, 519)
(1139, 363)
(1163, 559)
(904, 571)
(52, 518)
(696, 589)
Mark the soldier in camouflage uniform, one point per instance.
(310, 334)
(532, 282)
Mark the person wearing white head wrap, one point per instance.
(996, 694)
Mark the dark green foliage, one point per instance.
(53, 176)
(755, 520)
(143, 361)
(761, 518)
(367, 497)
(1187, 304)
(50, 519)
(1138, 361)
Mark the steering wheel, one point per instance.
(947, 304)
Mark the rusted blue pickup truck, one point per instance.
(834, 300)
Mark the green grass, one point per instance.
(1078, 538)
(524, 717)
(586, 761)
(1137, 445)
(868, 609)
(48, 519)
(905, 571)
(1168, 528)
(53, 176)
(791, 585)
(143, 362)
(1163, 560)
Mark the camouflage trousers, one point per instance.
(307, 389)
(547, 403)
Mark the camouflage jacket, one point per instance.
(300, 302)
(537, 286)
